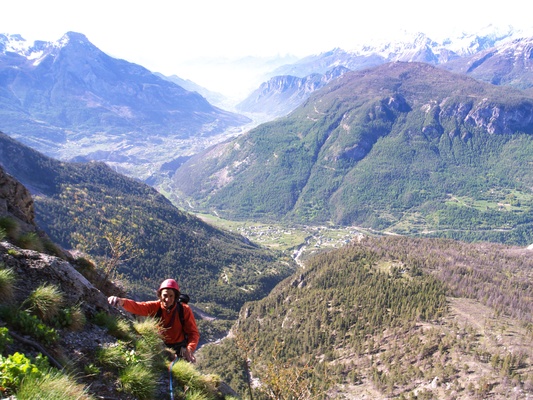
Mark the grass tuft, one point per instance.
(10, 226)
(45, 302)
(117, 327)
(52, 386)
(7, 284)
(149, 346)
(186, 375)
(112, 357)
(30, 241)
(138, 381)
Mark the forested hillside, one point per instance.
(91, 207)
(404, 147)
(392, 317)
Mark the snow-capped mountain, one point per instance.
(408, 47)
(498, 56)
(510, 63)
(68, 99)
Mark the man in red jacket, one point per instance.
(181, 336)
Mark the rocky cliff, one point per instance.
(16, 201)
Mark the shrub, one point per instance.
(138, 381)
(52, 386)
(113, 357)
(117, 327)
(31, 241)
(28, 324)
(186, 375)
(16, 367)
(5, 339)
(10, 226)
(7, 282)
(45, 302)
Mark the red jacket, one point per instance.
(173, 334)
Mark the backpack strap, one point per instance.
(179, 308)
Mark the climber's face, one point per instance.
(168, 298)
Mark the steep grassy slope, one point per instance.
(388, 148)
(392, 317)
(79, 204)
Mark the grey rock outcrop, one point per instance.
(16, 201)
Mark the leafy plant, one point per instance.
(15, 367)
(91, 370)
(5, 339)
(28, 324)
(71, 318)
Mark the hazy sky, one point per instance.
(168, 35)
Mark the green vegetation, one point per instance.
(16, 367)
(28, 324)
(139, 381)
(381, 314)
(388, 149)
(136, 235)
(52, 386)
(44, 302)
(132, 365)
(7, 282)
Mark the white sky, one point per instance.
(166, 35)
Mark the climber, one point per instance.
(179, 332)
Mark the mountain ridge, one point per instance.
(314, 164)
(78, 204)
(74, 100)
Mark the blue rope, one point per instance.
(170, 376)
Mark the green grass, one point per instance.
(45, 302)
(186, 375)
(7, 282)
(138, 381)
(53, 386)
(500, 200)
(113, 357)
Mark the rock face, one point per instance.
(16, 201)
(282, 94)
(34, 269)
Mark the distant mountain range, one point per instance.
(496, 57)
(404, 146)
(282, 94)
(69, 99)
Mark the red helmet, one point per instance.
(168, 284)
